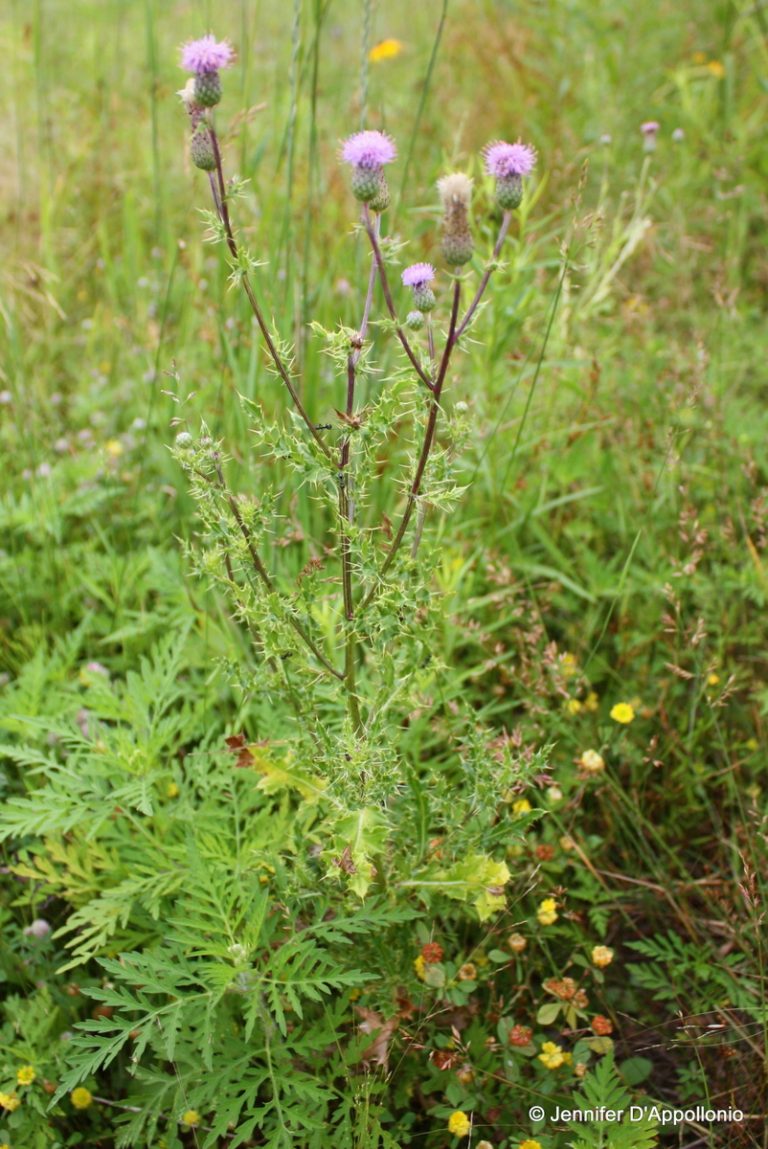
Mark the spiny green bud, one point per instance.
(509, 192)
(424, 297)
(184, 439)
(381, 200)
(201, 149)
(207, 88)
(414, 320)
(368, 184)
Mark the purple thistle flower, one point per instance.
(206, 55)
(418, 275)
(650, 127)
(368, 150)
(504, 160)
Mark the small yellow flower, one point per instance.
(517, 943)
(172, 790)
(459, 1124)
(715, 68)
(591, 702)
(419, 966)
(713, 679)
(602, 956)
(5, 1145)
(591, 762)
(552, 1055)
(573, 706)
(81, 1097)
(480, 1145)
(547, 912)
(385, 50)
(530, 1143)
(190, 1118)
(521, 806)
(10, 1101)
(467, 972)
(623, 712)
(569, 664)
(752, 744)
(114, 448)
(26, 1075)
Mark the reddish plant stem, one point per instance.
(222, 208)
(506, 221)
(390, 302)
(426, 448)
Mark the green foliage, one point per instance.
(603, 1090)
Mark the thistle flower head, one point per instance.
(206, 55)
(503, 160)
(418, 275)
(455, 188)
(650, 127)
(369, 150)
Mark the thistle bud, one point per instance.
(455, 193)
(208, 89)
(414, 320)
(201, 148)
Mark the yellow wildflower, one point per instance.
(459, 1124)
(5, 1145)
(385, 50)
(81, 1097)
(715, 68)
(172, 790)
(480, 1145)
(114, 448)
(10, 1101)
(26, 1075)
(602, 956)
(552, 1055)
(547, 912)
(623, 712)
(521, 806)
(591, 762)
(530, 1143)
(713, 679)
(592, 701)
(190, 1118)
(419, 966)
(569, 664)
(573, 706)
(467, 972)
(517, 943)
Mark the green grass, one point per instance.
(617, 501)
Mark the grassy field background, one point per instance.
(612, 544)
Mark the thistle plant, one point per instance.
(347, 645)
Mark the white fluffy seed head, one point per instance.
(455, 188)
